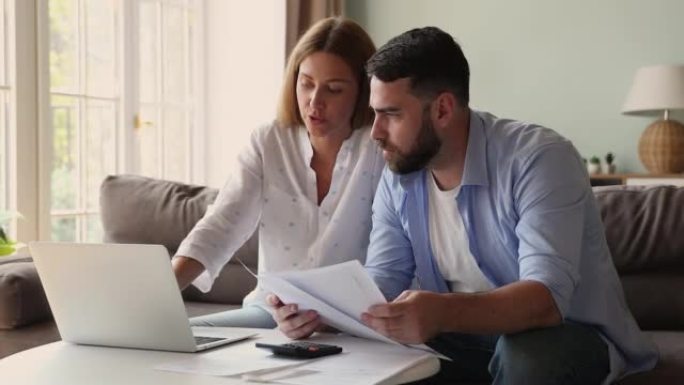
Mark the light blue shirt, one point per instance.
(530, 214)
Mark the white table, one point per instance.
(65, 363)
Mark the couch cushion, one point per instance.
(137, 209)
(670, 368)
(656, 299)
(644, 226)
(22, 300)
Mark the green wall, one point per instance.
(565, 64)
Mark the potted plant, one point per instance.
(594, 166)
(610, 165)
(7, 245)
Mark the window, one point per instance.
(85, 99)
(122, 100)
(166, 88)
(5, 110)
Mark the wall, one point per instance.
(565, 64)
(244, 61)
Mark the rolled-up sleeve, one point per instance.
(232, 219)
(390, 257)
(550, 194)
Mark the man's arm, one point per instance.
(417, 316)
(389, 260)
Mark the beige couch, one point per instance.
(644, 229)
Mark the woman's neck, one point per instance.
(325, 151)
(325, 148)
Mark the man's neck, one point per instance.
(448, 165)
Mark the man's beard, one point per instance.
(425, 148)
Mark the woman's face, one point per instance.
(326, 95)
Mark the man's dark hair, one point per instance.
(429, 57)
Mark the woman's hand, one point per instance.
(290, 321)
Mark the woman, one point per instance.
(306, 181)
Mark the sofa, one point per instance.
(644, 229)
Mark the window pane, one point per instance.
(3, 45)
(93, 228)
(100, 148)
(191, 52)
(64, 229)
(176, 146)
(3, 152)
(63, 45)
(175, 53)
(101, 47)
(149, 51)
(148, 142)
(65, 149)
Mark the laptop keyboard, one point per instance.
(206, 340)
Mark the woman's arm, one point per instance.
(186, 270)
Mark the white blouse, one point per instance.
(274, 188)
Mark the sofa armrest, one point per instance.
(22, 299)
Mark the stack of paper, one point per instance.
(339, 293)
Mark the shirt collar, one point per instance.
(343, 154)
(475, 169)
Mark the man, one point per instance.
(493, 222)
(496, 221)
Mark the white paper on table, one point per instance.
(348, 368)
(339, 293)
(220, 367)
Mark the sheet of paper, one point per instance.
(289, 293)
(230, 361)
(220, 367)
(348, 368)
(346, 286)
(339, 293)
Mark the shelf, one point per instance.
(636, 179)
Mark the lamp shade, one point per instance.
(655, 89)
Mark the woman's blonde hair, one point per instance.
(335, 35)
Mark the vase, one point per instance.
(594, 168)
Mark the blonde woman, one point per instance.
(306, 182)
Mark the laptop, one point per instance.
(119, 295)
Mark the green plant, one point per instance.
(595, 160)
(7, 245)
(610, 158)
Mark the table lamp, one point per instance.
(655, 90)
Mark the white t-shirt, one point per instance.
(449, 242)
(274, 188)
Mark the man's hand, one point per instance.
(413, 317)
(293, 324)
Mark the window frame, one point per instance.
(127, 41)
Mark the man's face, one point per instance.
(403, 126)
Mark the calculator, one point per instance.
(301, 349)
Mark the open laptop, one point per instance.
(119, 295)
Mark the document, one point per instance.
(347, 368)
(339, 293)
(362, 361)
(211, 366)
(231, 360)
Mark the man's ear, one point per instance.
(444, 107)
